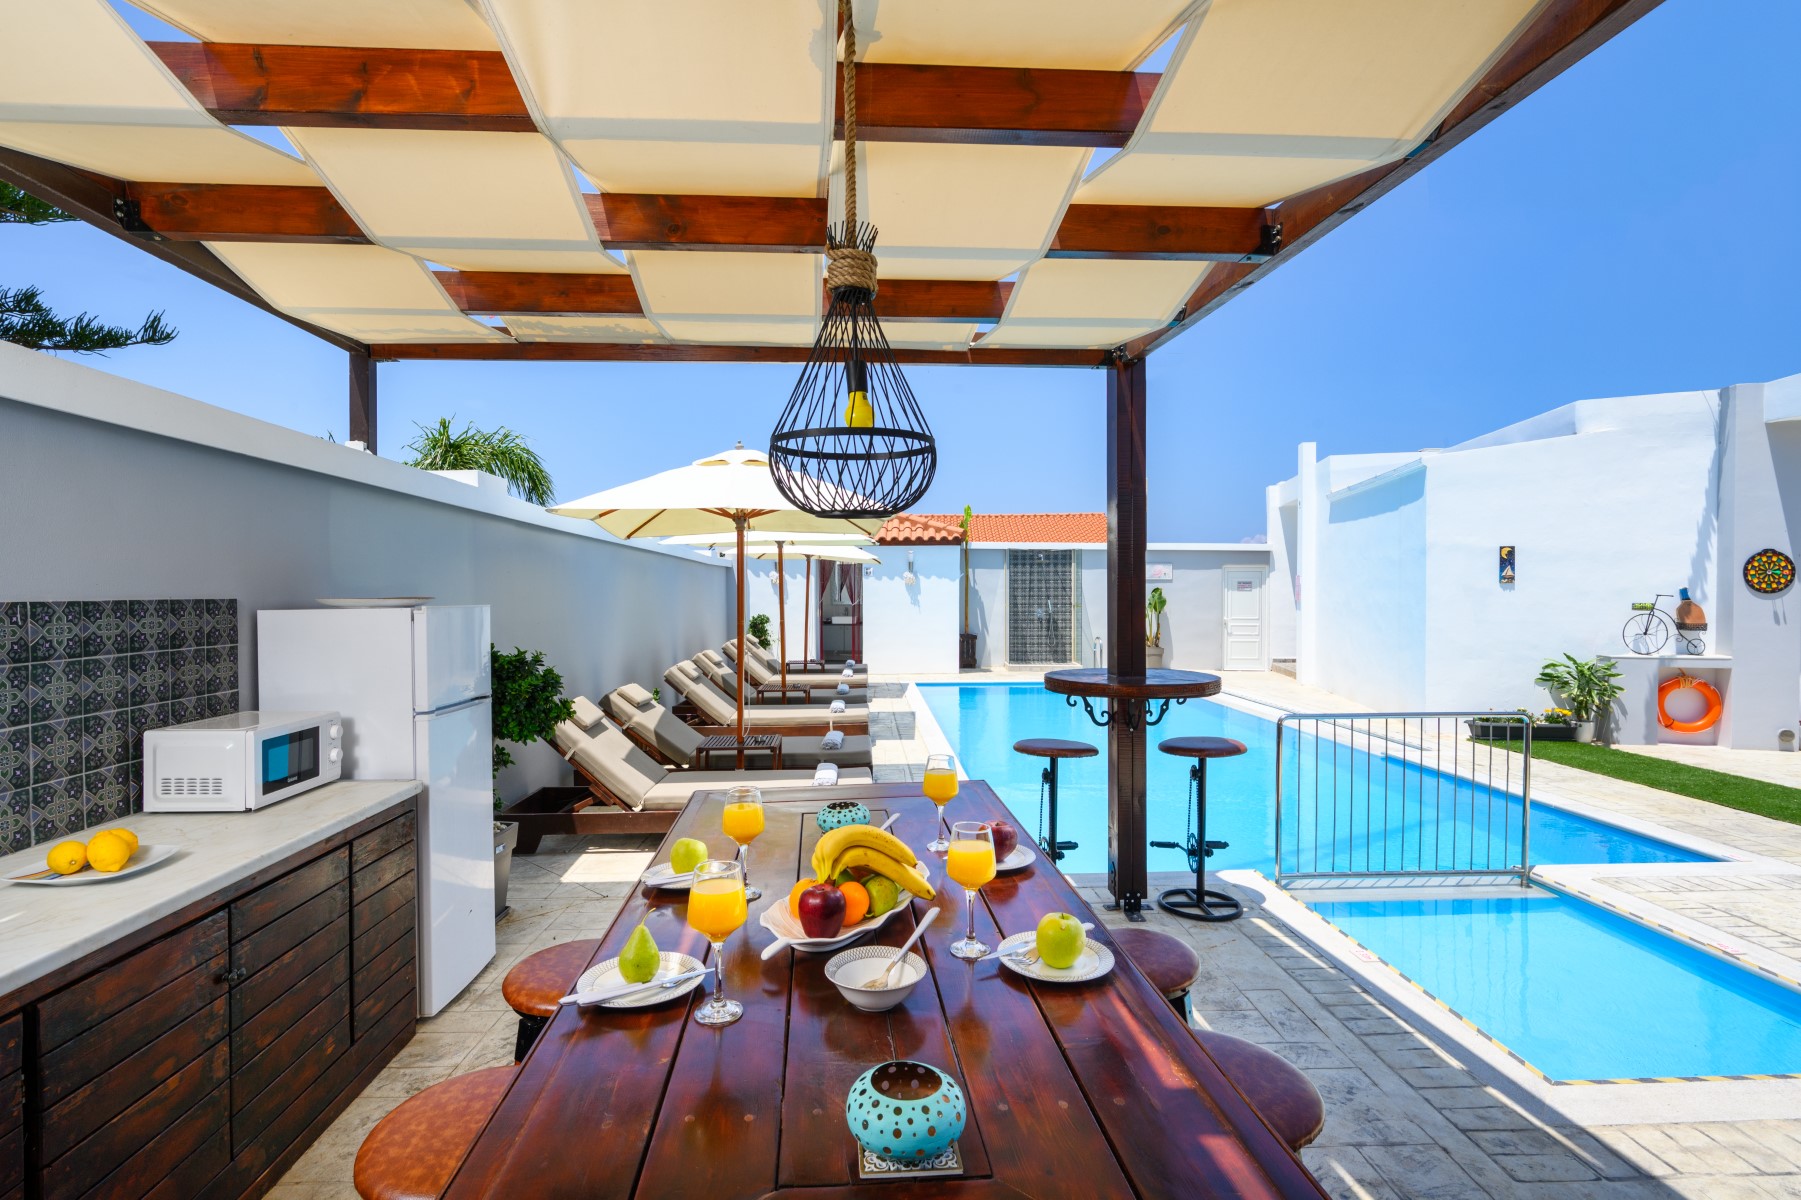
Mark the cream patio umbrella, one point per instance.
(841, 552)
(731, 492)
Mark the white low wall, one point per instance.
(115, 490)
(911, 628)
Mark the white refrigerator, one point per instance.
(413, 687)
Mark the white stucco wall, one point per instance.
(1369, 591)
(911, 628)
(115, 490)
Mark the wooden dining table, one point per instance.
(1092, 1091)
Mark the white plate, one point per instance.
(142, 859)
(373, 601)
(1019, 860)
(1094, 961)
(660, 875)
(606, 974)
(779, 921)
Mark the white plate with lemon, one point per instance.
(72, 863)
(1092, 961)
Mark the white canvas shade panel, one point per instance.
(1260, 100)
(1263, 100)
(734, 99)
(78, 86)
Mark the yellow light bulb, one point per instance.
(858, 413)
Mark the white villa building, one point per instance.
(1389, 589)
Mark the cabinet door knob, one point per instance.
(235, 975)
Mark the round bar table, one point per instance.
(1130, 704)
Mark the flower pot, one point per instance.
(905, 1112)
(839, 813)
(1153, 656)
(1585, 732)
(506, 837)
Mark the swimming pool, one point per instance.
(1608, 998)
(982, 721)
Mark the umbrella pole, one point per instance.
(806, 613)
(781, 611)
(743, 641)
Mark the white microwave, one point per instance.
(243, 761)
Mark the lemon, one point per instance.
(66, 858)
(129, 836)
(107, 851)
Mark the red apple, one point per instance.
(1006, 838)
(822, 910)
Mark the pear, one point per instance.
(639, 961)
(884, 894)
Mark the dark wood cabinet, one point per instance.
(203, 1060)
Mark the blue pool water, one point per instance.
(1607, 999)
(983, 721)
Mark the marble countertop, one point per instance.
(43, 928)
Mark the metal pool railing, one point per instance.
(1362, 795)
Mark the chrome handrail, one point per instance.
(1346, 724)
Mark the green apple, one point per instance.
(884, 894)
(639, 960)
(687, 854)
(1060, 940)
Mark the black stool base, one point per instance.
(1210, 905)
(529, 1029)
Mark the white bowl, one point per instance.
(840, 966)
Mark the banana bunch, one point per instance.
(876, 849)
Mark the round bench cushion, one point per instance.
(537, 981)
(1275, 1087)
(412, 1152)
(1170, 963)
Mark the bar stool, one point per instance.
(413, 1152)
(1197, 903)
(1284, 1097)
(1170, 963)
(1055, 749)
(538, 981)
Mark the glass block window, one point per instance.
(1041, 606)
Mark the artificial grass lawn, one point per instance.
(1716, 787)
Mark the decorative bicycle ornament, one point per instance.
(1769, 572)
(1649, 629)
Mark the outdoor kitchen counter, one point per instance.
(45, 928)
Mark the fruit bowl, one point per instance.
(785, 925)
(845, 972)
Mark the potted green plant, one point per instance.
(1153, 627)
(1587, 690)
(528, 702)
(966, 641)
(758, 627)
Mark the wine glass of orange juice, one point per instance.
(971, 863)
(940, 788)
(742, 821)
(716, 910)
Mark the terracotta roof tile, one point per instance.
(944, 529)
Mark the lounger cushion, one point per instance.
(681, 785)
(623, 769)
(764, 673)
(634, 695)
(677, 740)
(587, 713)
(719, 709)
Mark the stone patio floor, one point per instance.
(1406, 1118)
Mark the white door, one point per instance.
(1243, 610)
(450, 655)
(456, 850)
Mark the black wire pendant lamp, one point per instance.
(852, 441)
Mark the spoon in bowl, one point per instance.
(881, 981)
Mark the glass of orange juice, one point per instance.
(971, 863)
(716, 910)
(940, 788)
(742, 821)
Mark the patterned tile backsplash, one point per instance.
(80, 682)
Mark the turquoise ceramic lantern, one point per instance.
(906, 1112)
(840, 813)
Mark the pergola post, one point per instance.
(362, 398)
(1126, 546)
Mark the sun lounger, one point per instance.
(796, 691)
(717, 708)
(765, 666)
(657, 732)
(622, 775)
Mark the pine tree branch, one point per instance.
(19, 208)
(25, 320)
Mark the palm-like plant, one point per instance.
(499, 452)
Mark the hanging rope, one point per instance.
(850, 264)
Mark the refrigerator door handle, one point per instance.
(451, 708)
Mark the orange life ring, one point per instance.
(1707, 720)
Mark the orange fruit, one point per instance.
(794, 897)
(856, 902)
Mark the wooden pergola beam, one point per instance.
(779, 224)
(242, 212)
(346, 87)
(1564, 32)
(1018, 106)
(1165, 231)
(500, 292)
(688, 352)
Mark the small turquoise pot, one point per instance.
(840, 813)
(906, 1112)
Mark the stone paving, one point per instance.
(1407, 1119)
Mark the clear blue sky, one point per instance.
(1630, 228)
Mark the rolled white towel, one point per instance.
(833, 740)
(847, 673)
(825, 775)
(850, 664)
(844, 689)
(837, 707)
